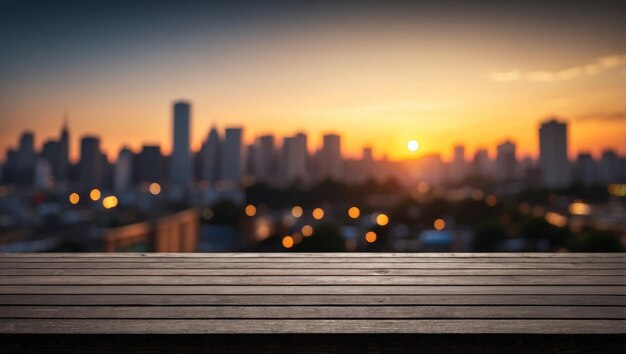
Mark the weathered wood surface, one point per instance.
(314, 294)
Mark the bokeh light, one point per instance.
(154, 188)
(288, 241)
(439, 224)
(318, 213)
(95, 194)
(297, 211)
(250, 210)
(354, 212)
(109, 202)
(371, 237)
(74, 198)
(382, 219)
(307, 230)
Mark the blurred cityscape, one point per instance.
(280, 194)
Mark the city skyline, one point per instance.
(224, 159)
(379, 75)
(314, 143)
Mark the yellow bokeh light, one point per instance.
(413, 145)
(154, 188)
(439, 224)
(109, 202)
(95, 194)
(74, 198)
(288, 241)
(382, 219)
(297, 211)
(250, 210)
(579, 208)
(307, 230)
(354, 212)
(371, 237)
(491, 200)
(318, 213)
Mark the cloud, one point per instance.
(600, 65)
(619, 116)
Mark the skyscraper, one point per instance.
(64, 158)
(211, 156)
(26, 151)
(481, 164)
(51, 152)
(458, 168)
(294, 158)
(331, 162)
(555, 171)
(264, 159)
(150, 164)
(180, 165)
(232, 160)
(123, 170)
(506, 162)
(90, 162)
(609, 167)
(586, 171)
(26, 159)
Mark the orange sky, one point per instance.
(375, 85)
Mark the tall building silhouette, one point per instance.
(506, 162)
(211, 156)
(123, 170)
(180, 164)
(264, 159)
(91, 161)
(294, 158)
(586, 170)
(150, 164)
(609, 167)
(51, 153)
(481, 165)
(64, 158)
(232, 159)
(553, 162)
(26, 151)
(331, 162)
(458, 167)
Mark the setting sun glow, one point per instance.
(413, 145)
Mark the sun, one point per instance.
(413, 145)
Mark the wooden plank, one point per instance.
(162, 326)
(323, 255)
(307, 272)
(113, 258)
(312, 312)
(313, 300)
(313, 280)
(277, 343)
(315, 289)
(310, 265)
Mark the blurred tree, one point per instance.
(488, 237)
(597, 241)
(226, 212)
(325, 238)
(538, 228)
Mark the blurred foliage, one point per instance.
(325, 238)
(225, 212)
(596, 241)
(488, 237)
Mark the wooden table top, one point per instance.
(254, 293)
